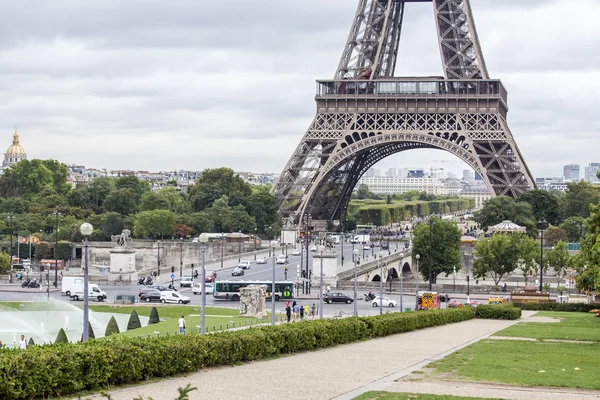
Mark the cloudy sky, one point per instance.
(192, 84)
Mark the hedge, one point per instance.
(497, 311)
(569, 307)
(63, 369)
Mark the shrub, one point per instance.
(154, 319)
(91, 331)
(31, 342)
(134, 321)
(486, 311)
(64, 369)
(61, 337)
(112, 327)
(569, 307)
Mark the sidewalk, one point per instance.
(346, 371)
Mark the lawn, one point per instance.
(525, 363)
(572, 326)
(33, 306)
(411, 396)
(217, 318)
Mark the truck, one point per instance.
(94, 292)
(364, 239)
(68, 282)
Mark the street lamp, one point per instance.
(454, 281)
(542, 225)
(418, 256)
(56, 251)
(321, 250)
(430, 261)
(10, 218)
(240, 246)
(381, 254)
(181, 258)
(274, 244)
(354, 258)
(86, 230)
(401, 280)
(255, 234)
(158, 258)
(203, 239)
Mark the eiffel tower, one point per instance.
(365, 114)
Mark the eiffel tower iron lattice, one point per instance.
(365, 114)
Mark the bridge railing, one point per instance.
(373, 264)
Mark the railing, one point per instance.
(373, 264)
(407, 87)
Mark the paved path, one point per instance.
(342, 372)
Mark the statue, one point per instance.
(122, 239)
(252, 301)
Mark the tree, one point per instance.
(528, 251)
(91, 334)
(439, 247)
(229, 219)
(154, 319)
(263, 206)
(43, 250)
(575, 228)
(133, 183)
(157, 223)
(122, 201)
(181, 230)
(63, 251)
(134, 321)
(578, 199)
(587, 262)
(496, 256)
(31, 342)
(15, 205)
(559, 259)
(213, 184)
(363, 192)
(4, 263)
(30, 177)
(503, 208)
(543, 204)
(554, 235)
(112, 327)
(61, 337)
(112, 224)
(153, 201)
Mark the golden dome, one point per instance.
(15, 149)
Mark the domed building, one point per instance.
(14, 153)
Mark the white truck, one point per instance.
(68, 282)
(364, 239)
(94, 292)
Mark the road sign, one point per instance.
(172, 276)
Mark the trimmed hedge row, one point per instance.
(62, 369)
(497, 311)
(569, 307)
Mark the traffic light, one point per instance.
(172, 270)
(467, 279)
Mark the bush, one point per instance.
(112, 327)
(64, 369)
(134, 321)
(154, 319)
(485, 311)
(568, 307)
(61, 337)
(31, 342)
(91, 331)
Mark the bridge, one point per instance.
(369, 271)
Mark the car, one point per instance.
(160, 288)
(366, 247)
(337, 298)
(385, 302)
(313, 249)
(237, 271)
(454, 304)
(297, 252)
(282, 259)
(197, 288)
(173, 297)
(244, 264)
(210, 276)
(149, 295)
(261, 260)
(186, 281)
(146, 290)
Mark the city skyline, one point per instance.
(123, 92)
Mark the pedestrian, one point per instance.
(312, 310)
(181, 324)
(1, 345)
(306, 310)
(301, 312)
(23, 343)
(296, 310)
(288, 311)
(328, 289)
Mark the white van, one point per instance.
(186, 281)
(69, 282)
(94, 292)
(197, 288)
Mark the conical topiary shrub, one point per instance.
(112, 327)
(134, 321)
(91, 331)
(31, 342)
(61, 337)
(154, 319)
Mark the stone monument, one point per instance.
(252, 301)
(122, 259)
(330, 268)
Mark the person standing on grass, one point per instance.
(181, 324)
(23, 343)
(288, 311)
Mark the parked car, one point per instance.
(244, 264)
(366, 247)
(150, 295)
(297, 252)
(282, 259)
(186, 281)
(173, 297)
(385, 302)
(160, 288)
(261, 260)
(197, 288)
(313, 249)
(454, 304)
(210, 276)
(337, 298)
(237, 271)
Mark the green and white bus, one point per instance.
(230, 290)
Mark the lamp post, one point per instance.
(239, 246)
(542, 225)
(255, 234)
(321, 250)
(454, 279)
(222, 239)
(306, 284)
(401, 281)
(418, 256)
(343, 245)
(203, 239)
(86, 230)
(10, 218)
(381, 254)
(55, 251)
(354, 257)
(181, 258)
(430, 261)
(158, 258)
(274, 244)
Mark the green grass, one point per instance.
(522, 363)
(33, 306)
(411, 396)
(572, 326)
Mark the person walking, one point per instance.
(288, 311)
(181, 324)
(301, 312)
(306, 310)
(296, 309)
(313, 309)
(23, 343)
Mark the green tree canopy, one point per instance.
(578, 199)
(4, 263)
(263, 206)
(559, 259)
(30, 177)
(135, 184)
(121, 201)
(553, 235)
(503, 208)
(438, 245)
(496, 256)
(216, 183)
(543, 205)
(575, 228)
(363, 192)
(154, 224)
(112, 224)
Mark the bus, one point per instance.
(230, 290)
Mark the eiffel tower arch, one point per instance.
(365, 114)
